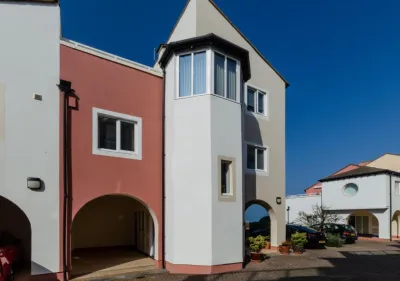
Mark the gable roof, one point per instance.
(231, 23)
(362, 171)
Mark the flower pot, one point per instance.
(256, 257)
(267, 245)
(284, 250)
(298, 249)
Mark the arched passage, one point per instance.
(396, 224)
(366, 223)
(261, 223)
(113, 232)
(16, 228)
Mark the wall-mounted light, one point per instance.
(288, 208)
(34, 183)
(278, 200)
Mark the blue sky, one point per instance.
(341, 58)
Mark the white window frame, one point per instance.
(265, 171)
(210, 55)
(397, 187)
(266, 101)
(137, 121)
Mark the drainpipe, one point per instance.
(390, 206)
(163, 170)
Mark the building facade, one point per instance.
(104, 157)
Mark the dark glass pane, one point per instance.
(219, 75)
(107, 133)
(224, 177)
(261, 102)
(260, 159)
(250, 99)
(231, 79)
(127, 136)
(251, 157)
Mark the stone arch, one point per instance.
(273, 220)
(114, 221)
(365, 223)
(15, 222)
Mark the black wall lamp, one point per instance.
(278, 200)
(34, 183)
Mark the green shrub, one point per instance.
(257, 243)
(299, 239)
(267, 238)
(333, 240)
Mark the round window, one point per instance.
(350, 189)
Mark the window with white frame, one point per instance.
(116, 134)
(208, 72)
(257, 101)
(226, 177)
(397, 187)
(256, 158)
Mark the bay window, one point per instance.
(192, 74)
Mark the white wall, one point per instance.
(29, 145)
(301, 203)
(373, 193)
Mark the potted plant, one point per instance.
(267, 240)
(256, 245)
(284, 248)
(298, 241)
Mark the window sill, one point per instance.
(119, 154)
(257, 115)
(257, 172)
(207, 94)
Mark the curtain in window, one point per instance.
(199, 69)
(219, 75)
(261, 102)
(231, 90)
(250, 99)
(185, 75)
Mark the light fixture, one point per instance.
(288, 208)
(34, 183)
(278, 200)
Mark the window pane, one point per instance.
(261, 102)
(127, 136)
(260, 159)
(107, 133)
(225, 177)
(231, 90)
(199, 69)
(251, 157)
(250, 99)
(185, 75)
(219, 75)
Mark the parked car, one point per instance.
(11, 255)
(346, 232)
(315, 238)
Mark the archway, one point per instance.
(365, 223)
(396, 224)
(16, 228)
(113, 234)
(261, 219)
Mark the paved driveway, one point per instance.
(364, 261)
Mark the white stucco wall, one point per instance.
(29, 144)
(301, 203)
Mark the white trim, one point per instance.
(110, 57)
(264, 115)
(137, 154)
(255, 171)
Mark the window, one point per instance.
(225, 76)
(116, 134)
(192, 74)
(397, 187)
(350, 189)
(256, 158)
(257, 101)
(226, 177)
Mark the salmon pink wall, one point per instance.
(107, 85)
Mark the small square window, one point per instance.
(397, 187)
(257, 99)
(226, 178)
(256, 158)
(116, 134)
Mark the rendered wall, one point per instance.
(300, 203)
(29, 128)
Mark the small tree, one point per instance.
(319, 216)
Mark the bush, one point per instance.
(257, 243)
(287, 243)
(267, 238)
(333, 240)
(299, 239)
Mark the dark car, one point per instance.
(315, 238)
(346, 232)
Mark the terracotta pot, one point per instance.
(256, 257)
(298, 249)
(284, 250)
(267, 245)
